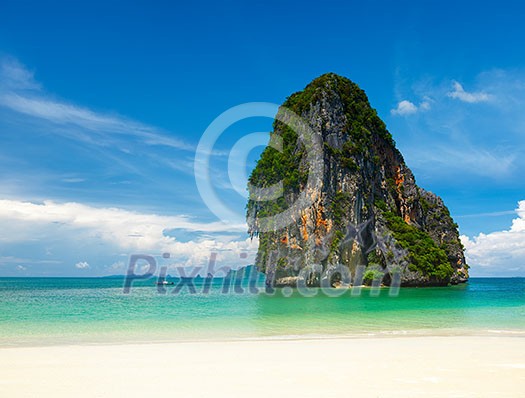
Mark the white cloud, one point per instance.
(500, 253)
(13, 75)
(462, 95)
(73, 180)
(11, 260)
(491, 214)
(62, 113)
(20, 92)
(123, 230)
(117, 266)
(82, 265)
(128, 229)
(425, 106)
(466, 141)
(405, 108)
(468, 159)
(98, 234)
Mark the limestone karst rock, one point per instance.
(365, 212)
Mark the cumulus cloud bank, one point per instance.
(126, 231)
(500, 253)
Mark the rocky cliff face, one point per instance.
(366, 211)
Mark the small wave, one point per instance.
(498, 331)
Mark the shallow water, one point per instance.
(42, 311)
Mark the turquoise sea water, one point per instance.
(42, 311)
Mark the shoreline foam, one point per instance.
(124, 339)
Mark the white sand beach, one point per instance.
(363, 367)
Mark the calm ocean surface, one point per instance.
(42, 311)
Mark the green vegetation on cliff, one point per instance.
(361, 118)
(287, 166)
(366, 194)
(424, 255)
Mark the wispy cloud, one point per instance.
(111, 148)
(491, 214)
(73, 180)
(81, 144)
(14, 76)
(461, 139)
(185, 166)
(473, 97)
(12, 260)
(20, 92)
(9, 260)
(468, 158)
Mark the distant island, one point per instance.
(366, 214)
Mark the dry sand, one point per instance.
(362, 367)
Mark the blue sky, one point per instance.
(103, 104)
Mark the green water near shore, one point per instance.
(42, 311)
